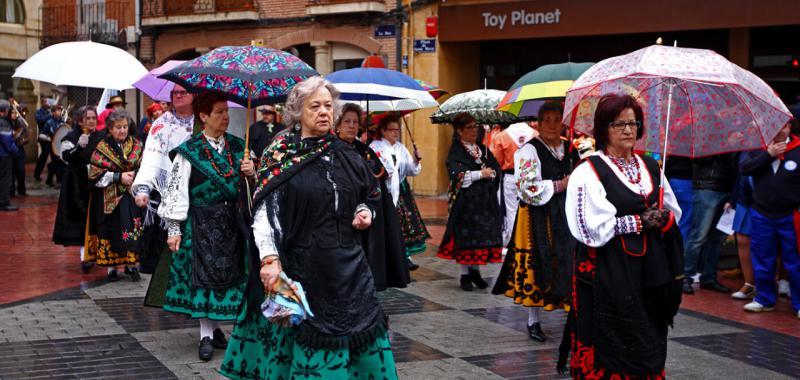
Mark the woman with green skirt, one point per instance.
(312, 200)
(207, 274)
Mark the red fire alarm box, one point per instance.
(431, 26)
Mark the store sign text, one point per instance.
(520, 17)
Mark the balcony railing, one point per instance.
(162, 8)
(99, 22)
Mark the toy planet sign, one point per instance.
(520, 17)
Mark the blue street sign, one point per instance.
(385, 31)
(425, 45)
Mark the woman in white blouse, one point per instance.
(200, 206)
(628, 260)
(399, 164)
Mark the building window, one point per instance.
(12, 11)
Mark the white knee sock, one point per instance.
(207, 327)
(82, 253)
(533, 315)
(464, 269)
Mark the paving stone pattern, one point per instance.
(101, 330)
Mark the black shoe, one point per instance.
(86, 266)
(536, 333)
(466, 282)
(687, 286)
(205, 349)
(9, 207)
(113, 276)
(715, 286)
(411, 265)
(134, 273)
(475, 277)
(219, 340)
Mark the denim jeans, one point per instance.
(682, 188)
(704, 243)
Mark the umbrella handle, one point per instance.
(247, 126)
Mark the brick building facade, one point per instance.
(328, 34)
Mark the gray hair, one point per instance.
(115, 116)
(293, 109)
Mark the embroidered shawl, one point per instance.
(107, 157)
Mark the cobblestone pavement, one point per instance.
(56, 323)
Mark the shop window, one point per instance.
(344, 64)
(12, 11)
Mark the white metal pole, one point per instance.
(666, 142)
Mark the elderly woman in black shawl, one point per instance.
(311, 202)
(73, 201)
(473, 236)
(383, 242)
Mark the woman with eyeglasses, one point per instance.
(538, 266)
(628, 261)
(399, 164)
(474, 234)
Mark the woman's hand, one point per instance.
(127, 178)
(174, 243)
(247, 167)
(270, 270)
(776, 149)
(487, 173)
(83, 141)
(363, 220)
(142, 200)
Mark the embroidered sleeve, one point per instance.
(628, 224)
(533, 190)
(105, 180)
(590, 216)
(173, 228)
(175, 200)
(141, 189)
(262, 231)
(470, 177)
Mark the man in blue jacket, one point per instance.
(42, 117)
(8, 148)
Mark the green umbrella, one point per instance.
(528, 93)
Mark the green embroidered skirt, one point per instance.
(182, 297)
(261, 350)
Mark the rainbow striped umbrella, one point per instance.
(436, 92)
(548, 82)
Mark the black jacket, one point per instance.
(776, 194)
(715, 173)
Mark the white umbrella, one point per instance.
(83, 64)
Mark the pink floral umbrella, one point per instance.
(696, 103)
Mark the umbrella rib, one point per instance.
(755, 121)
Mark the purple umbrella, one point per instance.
(160, 89)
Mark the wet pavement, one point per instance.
(56, 322)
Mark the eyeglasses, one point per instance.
(620, 125)
(179, 93)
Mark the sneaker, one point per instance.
(784, 289)
(746, 292)
(755, 307)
